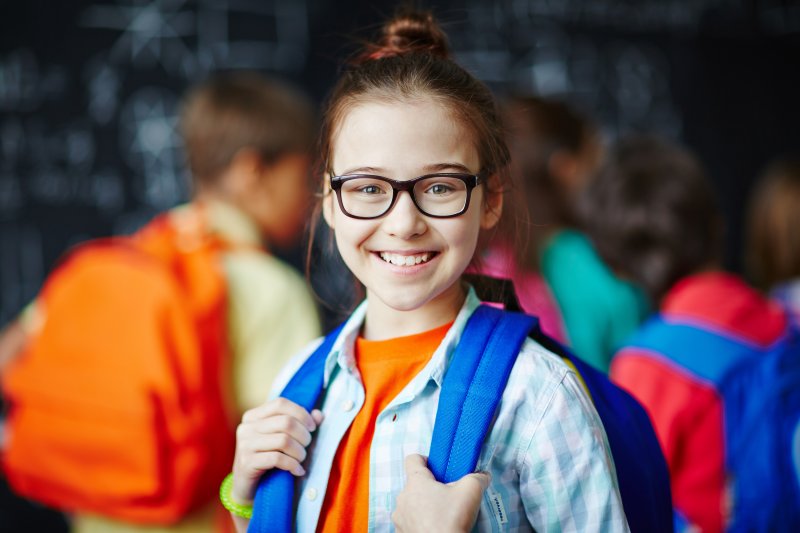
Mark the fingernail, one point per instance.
(299, 471)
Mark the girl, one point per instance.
(555, 151)
(414, 165)
(773, 242)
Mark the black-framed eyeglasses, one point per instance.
(442, 195)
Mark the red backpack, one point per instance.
(118, 405)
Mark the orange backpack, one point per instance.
(118, 405)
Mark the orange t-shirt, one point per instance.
(386, 367)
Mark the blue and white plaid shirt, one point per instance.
(547, 451)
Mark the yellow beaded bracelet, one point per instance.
(238, 509)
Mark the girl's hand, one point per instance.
(427, 505)
(272, 435)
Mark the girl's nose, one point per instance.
(404, 220)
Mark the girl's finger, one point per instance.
(245, 478)
(277, 442)
(261, 462)
(417, 465)
(280, 406)
(283, 424)
(475, 481)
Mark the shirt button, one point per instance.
(347, 405)
(311, 494)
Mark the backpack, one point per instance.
(760, 392)
(472, 388)
(117, 405)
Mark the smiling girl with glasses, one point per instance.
(416, 163)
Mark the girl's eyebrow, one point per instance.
(439, 167)
(363, 170)
(427, 169)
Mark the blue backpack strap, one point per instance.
(708, 354)
(273, 506)
(472, 388)
(642, 471)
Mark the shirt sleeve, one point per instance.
(567, 476)
(271, 317)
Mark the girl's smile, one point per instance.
(407, 263)
(407, 259)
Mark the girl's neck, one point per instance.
(384, 322)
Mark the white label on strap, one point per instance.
(499, 510)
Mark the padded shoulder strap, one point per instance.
(472, 388)
(273, 506)
(708, 354)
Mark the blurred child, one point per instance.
(414, 167)
(554, 152)
(654, 219)
(247, 141)
(773, 241)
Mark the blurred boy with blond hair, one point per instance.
(247, 142)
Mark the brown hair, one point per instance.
(412, 59)
(651, 213)
(409, 60)
(230, 112)
(537, 129)
(773, 226)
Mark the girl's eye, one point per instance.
(370, 189)
(439, 188)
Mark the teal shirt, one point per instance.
(599, 309)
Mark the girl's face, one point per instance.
(406, 260)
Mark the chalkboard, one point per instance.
(89, 92)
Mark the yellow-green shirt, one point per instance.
(271, 316)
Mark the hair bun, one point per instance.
(409, 32)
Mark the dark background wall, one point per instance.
(89, 91)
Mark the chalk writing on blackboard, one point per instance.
(642, 15)
(22, 267)
(189, 40)
(622, 83)
(150, 144)
(25, 84)
(103, 84)
(10, 195)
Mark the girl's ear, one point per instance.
(493, 204)
(327, 205)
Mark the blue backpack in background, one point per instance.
(471, 390)
(760, 391)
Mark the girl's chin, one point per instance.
(410, 299)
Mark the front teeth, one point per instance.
(404, 260)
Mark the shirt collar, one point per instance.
(342, 354)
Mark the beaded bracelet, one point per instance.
(238, 509)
